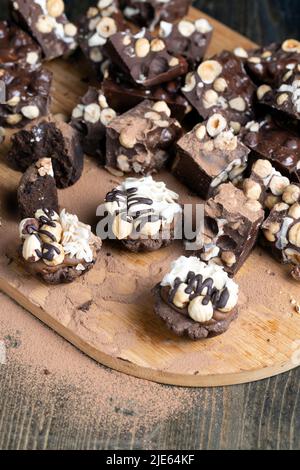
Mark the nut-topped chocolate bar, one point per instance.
(210, 155)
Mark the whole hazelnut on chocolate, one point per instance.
(28, 227)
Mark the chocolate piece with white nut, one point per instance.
(141, 140)
(150, 12)
(221, 84)
(231, 225)
(189, 39)
(280, 146)
(2, 135)
(49, 138)
(27, 95)
(57, 248)
(281, 233)
(48, 24)
(122, 95)
(196, 300)
(210, 155)
(95, 27)
(144, 58)
(90, 117)
(267, 64)
(17, 47)
(143, 214)
(37, 189)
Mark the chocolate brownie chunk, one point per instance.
(150, 12)
(141, 140)
(122, 95)
(280, 146)
(57, 248)
(231, 225)
(210, 155)
(17, 47)
(195, 299)
(189, 39)
(91, 117)
(144, 58)
(143, 214)
(267, 64)
(27, 95)
(49, 138)
(95, 27)
(48, 24)
(37, 189)
(221, 84)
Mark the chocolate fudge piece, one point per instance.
(95, 27)
(57, 248)
(284, 99)
(27, 95)
(144, 58)
(49, 138)
(48, 24)
(196, 299)
(231, 225)
(267, 64)
(37, 189)
(150, 12)
(143, 214)
(17, 47)
(280, 146)
(210, 155)
(141, 140)
(189, 39)
(122, 95)
(281, 233)
(90, 117)
(221, 84)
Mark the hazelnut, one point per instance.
(126, 40)
(106, 27)
(271, 201)
(45, 24)
(281, 207)
(173, 62)
(235, 126)
(107, 115)
(186, 28)
(13, 119)
(254, 60)
(55, 252)
(102, 101)
(96, 40)
(123, 163)
(28, 227)
(252, 189)
(190, 82)
(210, 99)
(96, 55)
(220, 85)
(203, 26)
(127, 139)
(269, 236)
(162, 123)
(122, 227)
(200, 132)
(78, 111)
(92, 113)
(295, 211)
(294, 235)
(241, 52)
(266, 54)
(291, 45)
(181, 298)
(30, 111)
(238, 104)
(152, 115)
(253, 206)
(162, 107)
(14, 101)
(229, 258)
(32, 249)
(199, 312)
(52, 215)
(216, 124)
(51, 234)
(278, 185)
(142, 47)
(70, 30)
(262, 91)
(281, 99)
(104, 4)
(157, 45)
(55, 8)
(262, 168)
(274, 227)
(148, 229)
(44, 166)
(287, 75)
(209, 70)
(32, 58)
(291, 194)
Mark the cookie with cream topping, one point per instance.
(57, 248)
(196, 299)
(143, 214)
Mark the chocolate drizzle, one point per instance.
(50, 251)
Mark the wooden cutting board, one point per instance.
(108, 314)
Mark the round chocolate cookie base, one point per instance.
(144, 245)
(182, 325)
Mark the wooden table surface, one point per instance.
(262, 415)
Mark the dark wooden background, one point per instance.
(263, 415)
